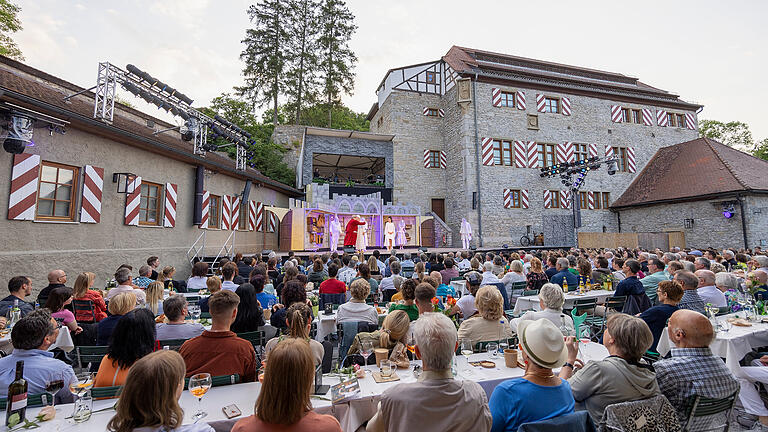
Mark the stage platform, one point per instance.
(412, 249)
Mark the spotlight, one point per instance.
(613, 166)
(189, 129)
(727, 214)
(20, 130)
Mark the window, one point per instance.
(552, 105)
(434, 159)
(621, 152)
(56, 193)
(670, 120)
(242, 220)
(514, 196)
(546, 155)
(580, 152)
(503, 153)
(431, 77)
(432, 112)
(149, 206)
(597, 200)
(680, 120)
(625, 115)
(508, 99)
(637, 116)
(214, 211)
(555, 198)
(583, 204)
(606, 199)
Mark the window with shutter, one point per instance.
(56, 191)
(547, 157)
(555, 199)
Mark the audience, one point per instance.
(154, 263)
(250, 315)
(392, 336)
(265, 299)
(199, 278)
(489, 324)
(332, 285)
(298, 318)
(155, 294)
(536, 276)
(318, 273)
(423, 295)
(175, 308)
(637, 300)
(219, 351)
(132, 339)
(669, 295)
(20, 287)
(691, 299)
(228, 273)
(124, 284)
(514, 276)
(57, 299)
(551, 300)
(56, 279)
(387, 285)
(356, 309)
(655, 275)
(364, 273)
(408, 305)
(466, 304)
(213, 284)
(564, 275)
(83, 292)
(166, 277)
(293, 292)
(707, 289)
(449, 272)
(120, 305)
(144, 278)
(489, 277)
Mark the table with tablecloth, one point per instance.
(326, 324)
(351, 414)
(532, 302)
(63, 341)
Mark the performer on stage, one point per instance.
(466, 233)
(350, 232)
(400, 240)
(334, 229)
(389, 234)
(362, 236)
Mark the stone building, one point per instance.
(64, 209)
(472, 130)
(715, 195)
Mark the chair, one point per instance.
(725, 310)
(84, 307)
(256, 338)
(173, 344)
(527, 293)
(612, 304)
(456, 278)
(503, 291)
(652, 414)
(219, 380)
(106, 392)
(347, 332)
(578, 320)
(33, 400)
(193, 300)
(86, 355)
(702, 409)
(205, 315)
(407, 271)
(578, 421)
(335, 299)
(651, 357)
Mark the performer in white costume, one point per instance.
(400, 239)
(334, 229)
(362, 239)
(466, 233)
(389, 234)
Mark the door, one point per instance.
(428, 233)
(284, 236)
(438, 208)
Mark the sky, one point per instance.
(708, 52)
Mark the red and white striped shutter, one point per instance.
(496, 97)
(251, 215)
(441, 112)
(591, 150)
(226, 212)
(533, 155)
(540, 102)
(608, 151)
(565, 201)
(93, 185)
(426, 158)
(565, 152)
(132, 201)
(259, 216)
(631, 165)
(426, 110)
(272, 222)
(661, 118)
(548, 199)
(205, 208)
(524, 198)
(235, 205)
(171, 194)
(443, 160)
(507, 198)
(616, 114)
(521, 154)
(24, 180)
(566, 101)
(591, 200)
(690, 122)
(520, 100)
(647, 117)
(487, 149)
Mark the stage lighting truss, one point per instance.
(572, 174)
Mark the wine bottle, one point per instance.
(17, 396)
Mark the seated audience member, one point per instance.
(488, 276)
(408, 292)
(419, 271)
(244, 266)
(349, 271)
(132, 339)
(620, 377)
(655, 275)
(250, 315)
(601, 271)
(442, 290)
(124, 284)
(284, 402)
(631, 287)
(393, 336)
(489, 324)
(565, 275)
(213, 284)
(551, 266)
(291, 272)
(166, 277)
(707, 289)
(318, 273)
(228, 273)
(356, 309)
(57, 299)
(451, 404)
(20, 288)
(157, 410)
(449, 272)
(144, 278)
(387, 285)
(332, 285)
(536, 276)
(154, 263)
(293, 292)
(424, 294)
(299, 321)
(669, 295)
(398, 296)
(56, 279)
(83, 292)
(691, 299)
(551, 300)
(514, 275)
(199, 277)
(155, 294)
(265, 299)
(31, 337)
(519, 400)
(466, 304)
(219, 351)
(175, 308)
(364, 272)
(692, 368)
(120, 305)
(728, 284)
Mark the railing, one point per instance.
(227, 249)
(199, 250)
(443, 233)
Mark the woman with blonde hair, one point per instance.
(83, 292)
(284, 401)
(157, 410)
(419, 272)
(536, 276)
(166, 277)
(155, 295)
(392, 336)
(299, 321)
(373, 264)
(120, 305)
(490, 322)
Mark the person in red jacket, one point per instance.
(350, 232)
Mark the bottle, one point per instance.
(581, 285)
(760, 306)
(589, 285)
(565, 285)
(17, 396)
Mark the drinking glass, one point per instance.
(53, 385)
(198, 386)
(466, 351)
(366, 350)
(83, 409)
(82, 383)
(411, 347)
(492, 348)
(194, 310)
(386, 368)
(503, 344)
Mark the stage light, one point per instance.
(20, 129)
(613, 166)
(189, 129)
(727, 214)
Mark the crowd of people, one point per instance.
(673, 290)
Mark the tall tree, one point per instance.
(337, 61)
(265, 53)
(301, 76)
(734, 134)
(9, 23)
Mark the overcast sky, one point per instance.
(709, 52)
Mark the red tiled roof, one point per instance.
(700, 168)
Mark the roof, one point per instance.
(345, 133)
(699, 169)
(28, 86)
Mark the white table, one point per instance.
(63, 341)
(186, 294)
(326, 324)
(351, 414)
(460, 286)
(524, 303)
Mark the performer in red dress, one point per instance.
(350, 232)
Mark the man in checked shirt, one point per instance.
(692, 369)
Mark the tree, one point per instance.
(734, 134)
(265, 53)
(337, 60)
(9, 23)
(301, 76)
(317, 115)
(761, 149)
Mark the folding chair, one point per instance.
(173, 344)
(706, 409)
(219, 380)
(84, 307)
(527, 293)
(86, 355)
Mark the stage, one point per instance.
(283, 255)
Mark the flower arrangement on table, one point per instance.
(315, 300)
(447, 308)
(753, 285)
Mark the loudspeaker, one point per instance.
(265, 253)
(246, 192)
(349, 249)
(473, 248)
(423, 249)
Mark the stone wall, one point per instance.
(347, 146)
(289, 138)
(756, 212)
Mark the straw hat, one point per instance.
(542, 342)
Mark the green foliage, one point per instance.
(734, 134)
(761, 149)
(9, 23)
(317, 115)
(337, 60)
(302, 84)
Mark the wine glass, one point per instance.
(53, 385)
(492, 348)
(198, 386)
(82, 383)
(366, 350)
(194, 310)
(466, 351)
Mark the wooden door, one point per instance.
(653, 240)
(438, 208)
(285, 231)
(428, 233)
